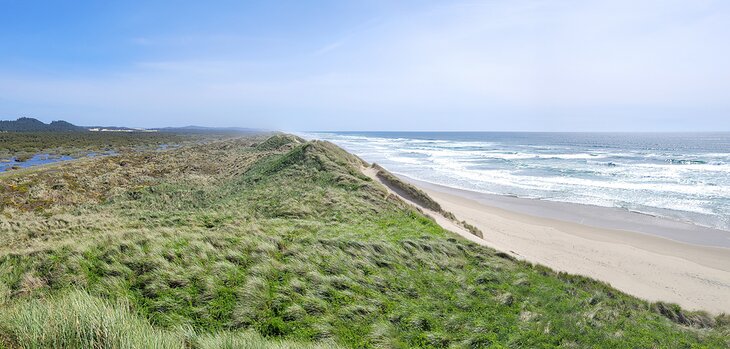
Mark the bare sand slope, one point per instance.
(650, 267)
(438, 217)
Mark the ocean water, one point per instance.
(682, 176)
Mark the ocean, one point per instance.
(681, 176)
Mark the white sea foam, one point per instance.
(655, 181)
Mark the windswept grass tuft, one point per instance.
(79, 320)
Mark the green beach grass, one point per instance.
(279, 242)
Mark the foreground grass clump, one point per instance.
(79, 320)
(288, 241)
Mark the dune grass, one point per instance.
(76, 319)
(231, 243)
(279, 141)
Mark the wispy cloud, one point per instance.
(141, 41)
(471, 62)
(328, 48)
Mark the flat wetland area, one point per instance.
(273, 241)
(19, 147)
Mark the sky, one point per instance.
(370, 65)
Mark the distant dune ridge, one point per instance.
(27, 124)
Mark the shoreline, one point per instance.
(650, 266)
(614, 218)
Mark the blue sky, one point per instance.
(370, 65)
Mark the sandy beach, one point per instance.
(640, 258)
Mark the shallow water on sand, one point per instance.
(36, 160)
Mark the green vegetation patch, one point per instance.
(276, 142)
(76, 319)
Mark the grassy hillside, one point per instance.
(248, 242)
